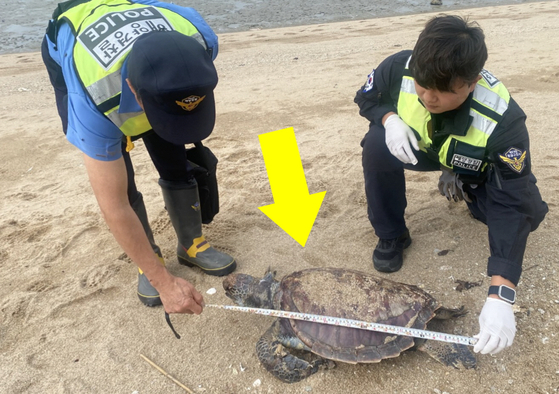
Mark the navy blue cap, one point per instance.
(175, 78)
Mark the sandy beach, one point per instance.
(70, 320)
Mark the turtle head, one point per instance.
(246, 290)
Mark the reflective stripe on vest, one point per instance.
(105, 31)
(490, 101)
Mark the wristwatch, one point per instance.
(504, 292)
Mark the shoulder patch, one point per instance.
(489, 78)
(515, 159)
(369, 84)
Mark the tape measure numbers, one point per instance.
(361, 325)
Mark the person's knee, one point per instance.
(540, 207)
(541, 210)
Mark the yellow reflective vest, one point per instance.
(462, 153)
(105, 31)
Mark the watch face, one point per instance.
(507, 293)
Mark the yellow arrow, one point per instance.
(294, 210)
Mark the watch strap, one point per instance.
(504, 292)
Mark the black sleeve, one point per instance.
(510, 132)
(514, 204)
(380, 93)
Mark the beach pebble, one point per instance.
(257, 383)
(211, 291)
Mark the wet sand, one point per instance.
(22, 30)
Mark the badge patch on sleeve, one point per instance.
(514, 158)
(369, 84)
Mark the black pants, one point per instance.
(169, 159)
(385, 184)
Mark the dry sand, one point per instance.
(70, 318)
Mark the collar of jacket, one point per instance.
(456, 122)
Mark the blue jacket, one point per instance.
(88, 129)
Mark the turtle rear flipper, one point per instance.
(273, 352)
(449, 313)
(449, 354)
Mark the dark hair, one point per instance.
(449, 49)
(134, 86)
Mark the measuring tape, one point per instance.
(362, 325)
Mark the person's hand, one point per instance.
(451, 186)
(497, 327)
(398, 137)
(179, 296)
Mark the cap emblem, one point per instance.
(190, 103)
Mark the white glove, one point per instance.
(497, 327)
(398, 137)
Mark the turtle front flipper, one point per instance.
(449, 354)
(273, 352)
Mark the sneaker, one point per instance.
(389, 253)
(146, 292)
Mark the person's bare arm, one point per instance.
(109, 182)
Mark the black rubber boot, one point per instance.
(183, 205)
(388, 255)
(146, 292)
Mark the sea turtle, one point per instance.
(347, 294)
